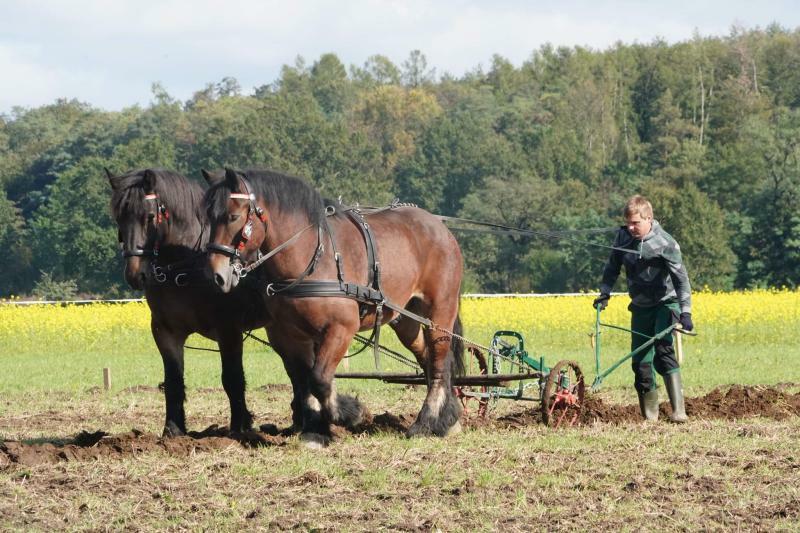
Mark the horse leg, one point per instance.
(410, 332)
(298, 359)
(441, 410)
(170, 345)
(233, 380)
(298, 375)
(339, 409)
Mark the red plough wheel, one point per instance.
(562, 398)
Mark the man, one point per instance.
(660, 296)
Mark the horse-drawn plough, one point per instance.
(506, 370)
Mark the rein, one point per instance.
(500, 229)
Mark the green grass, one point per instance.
(133, 362)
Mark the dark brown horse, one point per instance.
(163, 231)
(419, 269)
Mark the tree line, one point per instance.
(708, 129)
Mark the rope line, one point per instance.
(501, 229)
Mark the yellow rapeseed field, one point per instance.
(751, 317)
(758, 316)
(45, 328)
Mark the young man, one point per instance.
(660, 296)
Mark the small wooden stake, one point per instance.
(107, 378)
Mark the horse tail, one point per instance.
(457, 367)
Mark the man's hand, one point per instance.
(686, 321)
(601, 301)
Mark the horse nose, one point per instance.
(219, 279)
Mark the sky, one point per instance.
(108, 53)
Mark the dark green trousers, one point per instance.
(659, 357)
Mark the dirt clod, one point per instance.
(730, 403)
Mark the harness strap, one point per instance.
(223, 249)
(336, 255)
(371, 294)
(332, 289)
(309, 269)
(369, 241)
(373, 276)
(138, 253)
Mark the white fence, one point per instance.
(127, 300)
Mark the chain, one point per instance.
(386, 351)
(486, 349)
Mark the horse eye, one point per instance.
(233, 218)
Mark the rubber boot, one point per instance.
(674, 387)
(648, 404)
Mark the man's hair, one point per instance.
(638, 205)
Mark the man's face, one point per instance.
(638, 226)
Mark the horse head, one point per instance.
(142, 221)
(238, 226)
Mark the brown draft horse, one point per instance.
(255, 211)
(163, 230)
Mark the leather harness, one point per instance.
(370, 294)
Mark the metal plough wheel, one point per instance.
(562, 398)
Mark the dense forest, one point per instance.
(708, 129)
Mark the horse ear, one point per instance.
(112, 180)
(212, 178)
(149, 180)
(232, 179)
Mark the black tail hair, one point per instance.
(457, 367)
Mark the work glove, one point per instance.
(601, 301)
(686, 321)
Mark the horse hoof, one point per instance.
(314, 441)
(423, 430)
(455, 429)
(418, 430)
(269, 429)
(171, 430)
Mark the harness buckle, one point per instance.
(239, 270)
(179, 279)
(158, 274)
(270, 291)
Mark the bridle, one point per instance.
(160, 215)
(253, 212)
(176, 269)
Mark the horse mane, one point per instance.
(182, 197)
(279, 191)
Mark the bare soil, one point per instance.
(732, 403)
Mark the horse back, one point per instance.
(415, 251)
